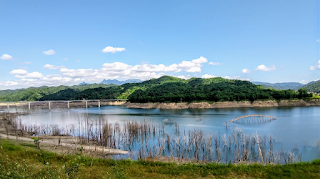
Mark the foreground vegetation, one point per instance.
(164, 89)
(24, 161)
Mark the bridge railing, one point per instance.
(58, 101)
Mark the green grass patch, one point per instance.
(25, 161)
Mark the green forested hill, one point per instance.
(46, 93)
(213, 89)
(313, 86)
(163, 89)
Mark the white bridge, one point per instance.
(98, 102)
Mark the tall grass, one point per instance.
(17, 161)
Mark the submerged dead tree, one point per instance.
(147, 139)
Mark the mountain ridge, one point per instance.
(117, 82)
(313, 86)
(163, 89)
(280, 86)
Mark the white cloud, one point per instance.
(191, 66)
(30, 75)
(304, 81)
(116, 70)
(200, 60)
(184, 77)
(110, 49)
(49, 52)
(194, 69)
(215, 63)
(65, 59)
(246, 70)
(264, 68)
(52, 67)
(188, 66)
(317, 66)
(6, 57)
(308, 81)
(208, 76)
(19, 72)
(10, 83)
(236, 78)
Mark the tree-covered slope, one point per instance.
(163, 89)
(46, 93)
(213, 89)
(313, 86)
(125, 90)
(171, 89)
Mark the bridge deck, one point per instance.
(62, 101)
(57, 101)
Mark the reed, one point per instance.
(147, 139)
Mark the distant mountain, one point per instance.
(132, 81)
(116, 82)
(83, 83)
(313, 86)
(280, 86)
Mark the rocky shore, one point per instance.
(183, 105)
(225, 104)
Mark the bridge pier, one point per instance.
(43, 103)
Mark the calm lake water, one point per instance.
(294, 127)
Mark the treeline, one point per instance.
(313, 86)
(197, 90)
(46, 93)
(163, 89)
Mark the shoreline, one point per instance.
(181, 105)
(52, 143)
(225, 104)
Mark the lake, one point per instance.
(295, 127)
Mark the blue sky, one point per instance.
(68, 42)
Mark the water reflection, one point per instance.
(295, 126)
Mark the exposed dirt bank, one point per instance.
(184, 105)
(225, 104)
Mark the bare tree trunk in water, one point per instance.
(259, 149)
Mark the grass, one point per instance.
(25, 161)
